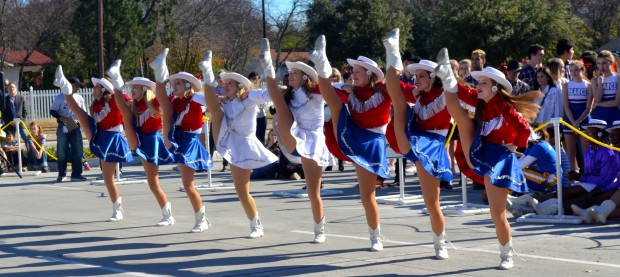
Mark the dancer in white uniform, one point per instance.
(300, 127)
(234, 127)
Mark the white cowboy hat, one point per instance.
(104, 83)
(423, 64)
(595, 123)
(615, 125)
(368, 64)
(141, 81)
(303, 68)
(494, 74)
(187, 77)
(237, 77)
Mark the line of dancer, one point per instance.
(492, 124)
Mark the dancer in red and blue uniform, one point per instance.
(182, 124)
(142, 121)
(104, 129)
(499, 126)
(421, 130)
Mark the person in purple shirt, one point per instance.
(609, 207)
(600, 170)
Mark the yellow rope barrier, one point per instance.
(450, 135)
(588, 137)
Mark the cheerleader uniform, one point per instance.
(361, 129)
(186, 128)
(577, 101)
(237, 141)
(106, 126)
(428, 122)
(500, 124)
(307, 128)
(151, 145)
(608, 114)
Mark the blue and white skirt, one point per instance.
(501, 164)
(152, 148)
(188, 150)
(364, 147)
(109, 146)
(428, 148)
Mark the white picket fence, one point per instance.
(38, 102)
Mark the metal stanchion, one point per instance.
(464, 208)
(560, 217)
(118, 180)
(401, 198)
(209, 185)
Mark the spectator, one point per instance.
(11, 148)
(408, 77)
(69, 133)
(589, 61)
(556, 68)
(37, 158)
(478, 59)
(551, 103)
(14, 107)
(539, 162)
(606, 89)
(564, 51)
(465, 71)
(518, 87)
(261, 117)
(577, 97)
(535, 54)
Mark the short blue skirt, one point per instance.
(188, 150)
(428, 148)
(152, 148)
(109, 146)
(501, 164)
(364, 147)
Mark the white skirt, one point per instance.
(244, 151)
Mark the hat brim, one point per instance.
(196, 84)
(146, 83)
(104, 83)
(304, 68)
(415, 66)
(237, 77)
(372, 69)
(499, 79)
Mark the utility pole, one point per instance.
(100, 37)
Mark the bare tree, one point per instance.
(288, 30)
(602, 18)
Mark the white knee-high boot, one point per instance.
(601, 214)
(117, 210)
(167, 218)
(256, 228)
(319, 231)
(441, 252)
(375, 239)
(506, 255)
(201, 221)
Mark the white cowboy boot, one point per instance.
(375, 239)
(583, 213)
(264, 56)
(444, 71)
(319, 58)
(256, 228)
(392, 52)
(601, 214)
(115, 74)
(62, 82)
(201, 221)
(207, 69)
(319, 231)
(117, 210)
(167, 218)
(506, 255)
(548, 207)
(441, 252)
(159, 66)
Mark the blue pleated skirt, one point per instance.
(577, 109)
(109, 146)
(501, 164)
(364, 147)
(152, 148)
(428, 148)
(188, 150)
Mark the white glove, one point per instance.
(444, 71)
(62, 82)
(159, 66)
(264, 56)
(115, 74)
(319, 58)
(207, 70)
(392, 52)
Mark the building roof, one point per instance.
(16, 57)
(292, 56)
(613, 45)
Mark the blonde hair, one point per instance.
(606, 54)
(243, 92)
(148, 95)
(466, 61)
(105, 95)
(39, 129)
(336, 73)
